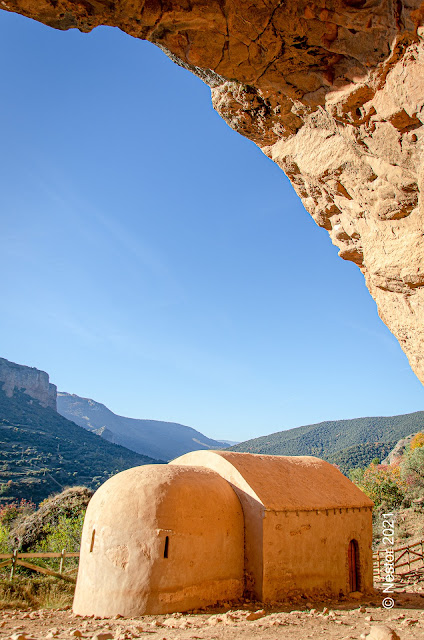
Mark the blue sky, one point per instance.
(156, 261)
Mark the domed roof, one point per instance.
(160, 538)
(161, 490)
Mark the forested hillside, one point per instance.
(348, 443)
(41, 451)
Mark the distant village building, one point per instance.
(217, 525)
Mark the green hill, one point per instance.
(348, 443)
(360, 455)
(42, 452)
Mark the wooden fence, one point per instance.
(18, 559)
(405, 559)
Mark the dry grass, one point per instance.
(35, 593)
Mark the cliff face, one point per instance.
(333, 92)
(398, 450)
(33, 382)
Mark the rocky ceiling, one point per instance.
(333, 92)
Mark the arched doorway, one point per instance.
(354, 566)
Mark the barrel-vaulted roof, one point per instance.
(282, 483)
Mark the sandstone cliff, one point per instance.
(33, 382)
(333, 92)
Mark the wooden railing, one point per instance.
(405, 559)
(15, 559)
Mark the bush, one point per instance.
(417, 441)
(12, 511)
(56, 513)
(382, 483)
(65, 534)
(357, 476)
(4, 535)
(413, 467)
(56, 525)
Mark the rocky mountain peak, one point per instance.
(30, 380)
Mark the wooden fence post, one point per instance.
(12, 569)
(62, 560)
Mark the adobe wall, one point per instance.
(123, 568)
(254, 514)
(307, 551)
(270, 487)
(253, 510)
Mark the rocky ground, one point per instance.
(342, 620)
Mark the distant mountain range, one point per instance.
(348, 443)
(42, 452)
(154, 438)
(43, 449)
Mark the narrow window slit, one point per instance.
(93, 535)
(165, 551)
(354, 566)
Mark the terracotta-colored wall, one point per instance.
(253, 511)
(253, 544)
(222, 539)
(307, 551)
(132, 513)
(288, 550)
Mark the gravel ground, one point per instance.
(341, 620)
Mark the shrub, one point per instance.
(382, 483)
(417, 441)
(65, 534)
(56, 525)
(413, 468)
(54, 513)
(10, 512)
(4, 535)
(357, 476)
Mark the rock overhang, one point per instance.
(333, 93)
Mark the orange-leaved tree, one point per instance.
(417, 441)
(383, 483)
